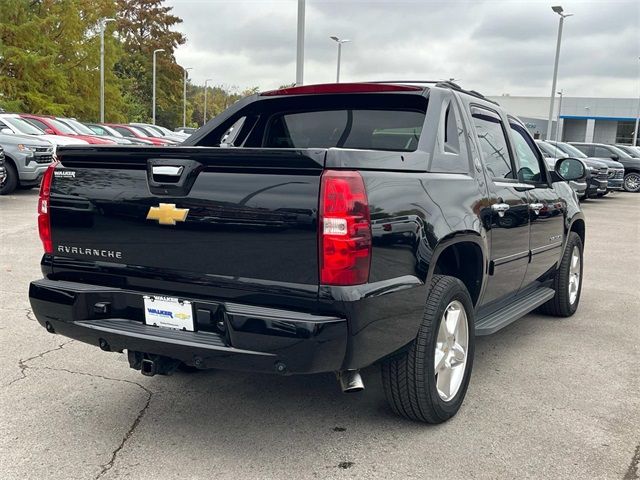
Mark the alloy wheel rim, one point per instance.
(450, 358)
(574, 275)
(632, 181)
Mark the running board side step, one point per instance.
(493, 322)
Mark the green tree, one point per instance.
(144, 26)
(49, 56)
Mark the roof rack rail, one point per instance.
(441, 83)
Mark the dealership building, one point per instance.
(581, 119)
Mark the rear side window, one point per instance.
(450, 154)
(397, 130)
(493, 143)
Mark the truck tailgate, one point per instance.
(236, 213)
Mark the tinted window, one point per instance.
(450, 154)
(570, 150)
(602, 152)
(37, 123)
(583, 148)
(360, 129)
(528, 163)
(124, 131)
(493, 143)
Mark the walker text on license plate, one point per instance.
(168, 312)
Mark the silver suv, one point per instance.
(26, 159)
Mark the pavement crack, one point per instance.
(632, 472)
(114, 454)
(23, 363)
(30, 315)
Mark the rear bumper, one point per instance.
(228, 335)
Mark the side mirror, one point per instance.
(615, 157)
(570, 169)
(49, 131)
(6, 131)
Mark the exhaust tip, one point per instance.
(350, 381)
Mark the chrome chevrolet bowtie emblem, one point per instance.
(167, 214)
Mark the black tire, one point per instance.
(11, 181)
(560, 305)
(408, 378)
(632, 182)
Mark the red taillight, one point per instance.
(44, 210)
(341, 88)
(345, 229)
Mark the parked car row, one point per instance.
(610, 167)
(30, 141)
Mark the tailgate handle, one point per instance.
(166, 170)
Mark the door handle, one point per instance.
(536, 207)
(500, 208)
(167, 170)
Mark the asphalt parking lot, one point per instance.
(548, 398)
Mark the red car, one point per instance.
(53, 127)
(130, 131)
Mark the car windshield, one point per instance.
(621, 153)
(22, 126)
(148, 131)
(62, 127)
(112, 131)
(78, 127)
(570, 150)
(165, 131)
(550, 150)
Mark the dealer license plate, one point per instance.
(168, 312)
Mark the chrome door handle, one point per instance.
(500, 208)
(167, 170)
(536, 207)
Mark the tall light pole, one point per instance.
(339, 42)
(558, 116)
(153, 107)
(103, 26)
(300, 44)
(559, 10)
(184, 97)
(205, 99)
(635, 130)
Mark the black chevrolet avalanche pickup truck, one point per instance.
(321, 228)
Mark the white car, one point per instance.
(11, 123)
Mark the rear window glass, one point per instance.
(346, 128)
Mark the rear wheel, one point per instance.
(632, 182)
(568, 281)
(11, 179)
(428, 381)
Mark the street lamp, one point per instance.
(184, 97)
(339, 42)
(103, 26)
(153, 108)
(558, 116)
(205, 99)
(300, 44)
(559, 10)
(635, 128)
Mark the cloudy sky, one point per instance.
(494, 47)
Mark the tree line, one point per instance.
(50, 62)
